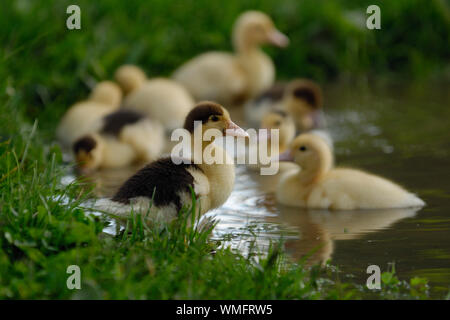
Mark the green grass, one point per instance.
(45, 68)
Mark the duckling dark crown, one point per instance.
(310, 93)
(202, 112)
(86, 143)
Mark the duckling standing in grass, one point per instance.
(124, 137)
(318, 185)
(159, 98)
(301, 98)
(229, 78)
(83, 116)
(170, 184)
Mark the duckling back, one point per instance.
(348, 189)
(163, 100)
(84, 117)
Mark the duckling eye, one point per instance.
(214, 118)
(302, 148)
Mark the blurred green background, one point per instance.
(48, 67)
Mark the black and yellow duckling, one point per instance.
(301, 98)
(124, 137)
(171, 183)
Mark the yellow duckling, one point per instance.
(229, 78)
(318, 185)
(159, 98)
(281, 121)
(125, 137)
(301, 98)
(170, 183)
(83, 116)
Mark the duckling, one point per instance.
(230, 78)
(82, 117)
(301, 98)
(159, 98)
(280, 120)
(318, 185)
(125, 137)
(169, 182)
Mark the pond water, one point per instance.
(399, 132)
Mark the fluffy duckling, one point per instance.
(301, 98)
(159, 98)
(82, 117)
(171, 182)
(280, 120)
(124, 137)
(231, 77)
(318, 185)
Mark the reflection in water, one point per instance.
(318, 229)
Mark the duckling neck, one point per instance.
(220, 173)
(258, 68)
(312, 174)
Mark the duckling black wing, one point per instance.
(114, 122)
(167, 180)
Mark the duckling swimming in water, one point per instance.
(227, 77)
(171, 183)
(83, 116)
(281, 121)
(159, 98)
(124, 137)
(301, 98)
(318, 185)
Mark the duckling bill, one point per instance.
(170, 183)
(317, 185)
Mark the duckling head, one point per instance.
(212, 116)
(282, 121)
(107, 92)
(255, 28)
(88, 152)
(130, 77)
(311, 152)
(303, 100)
